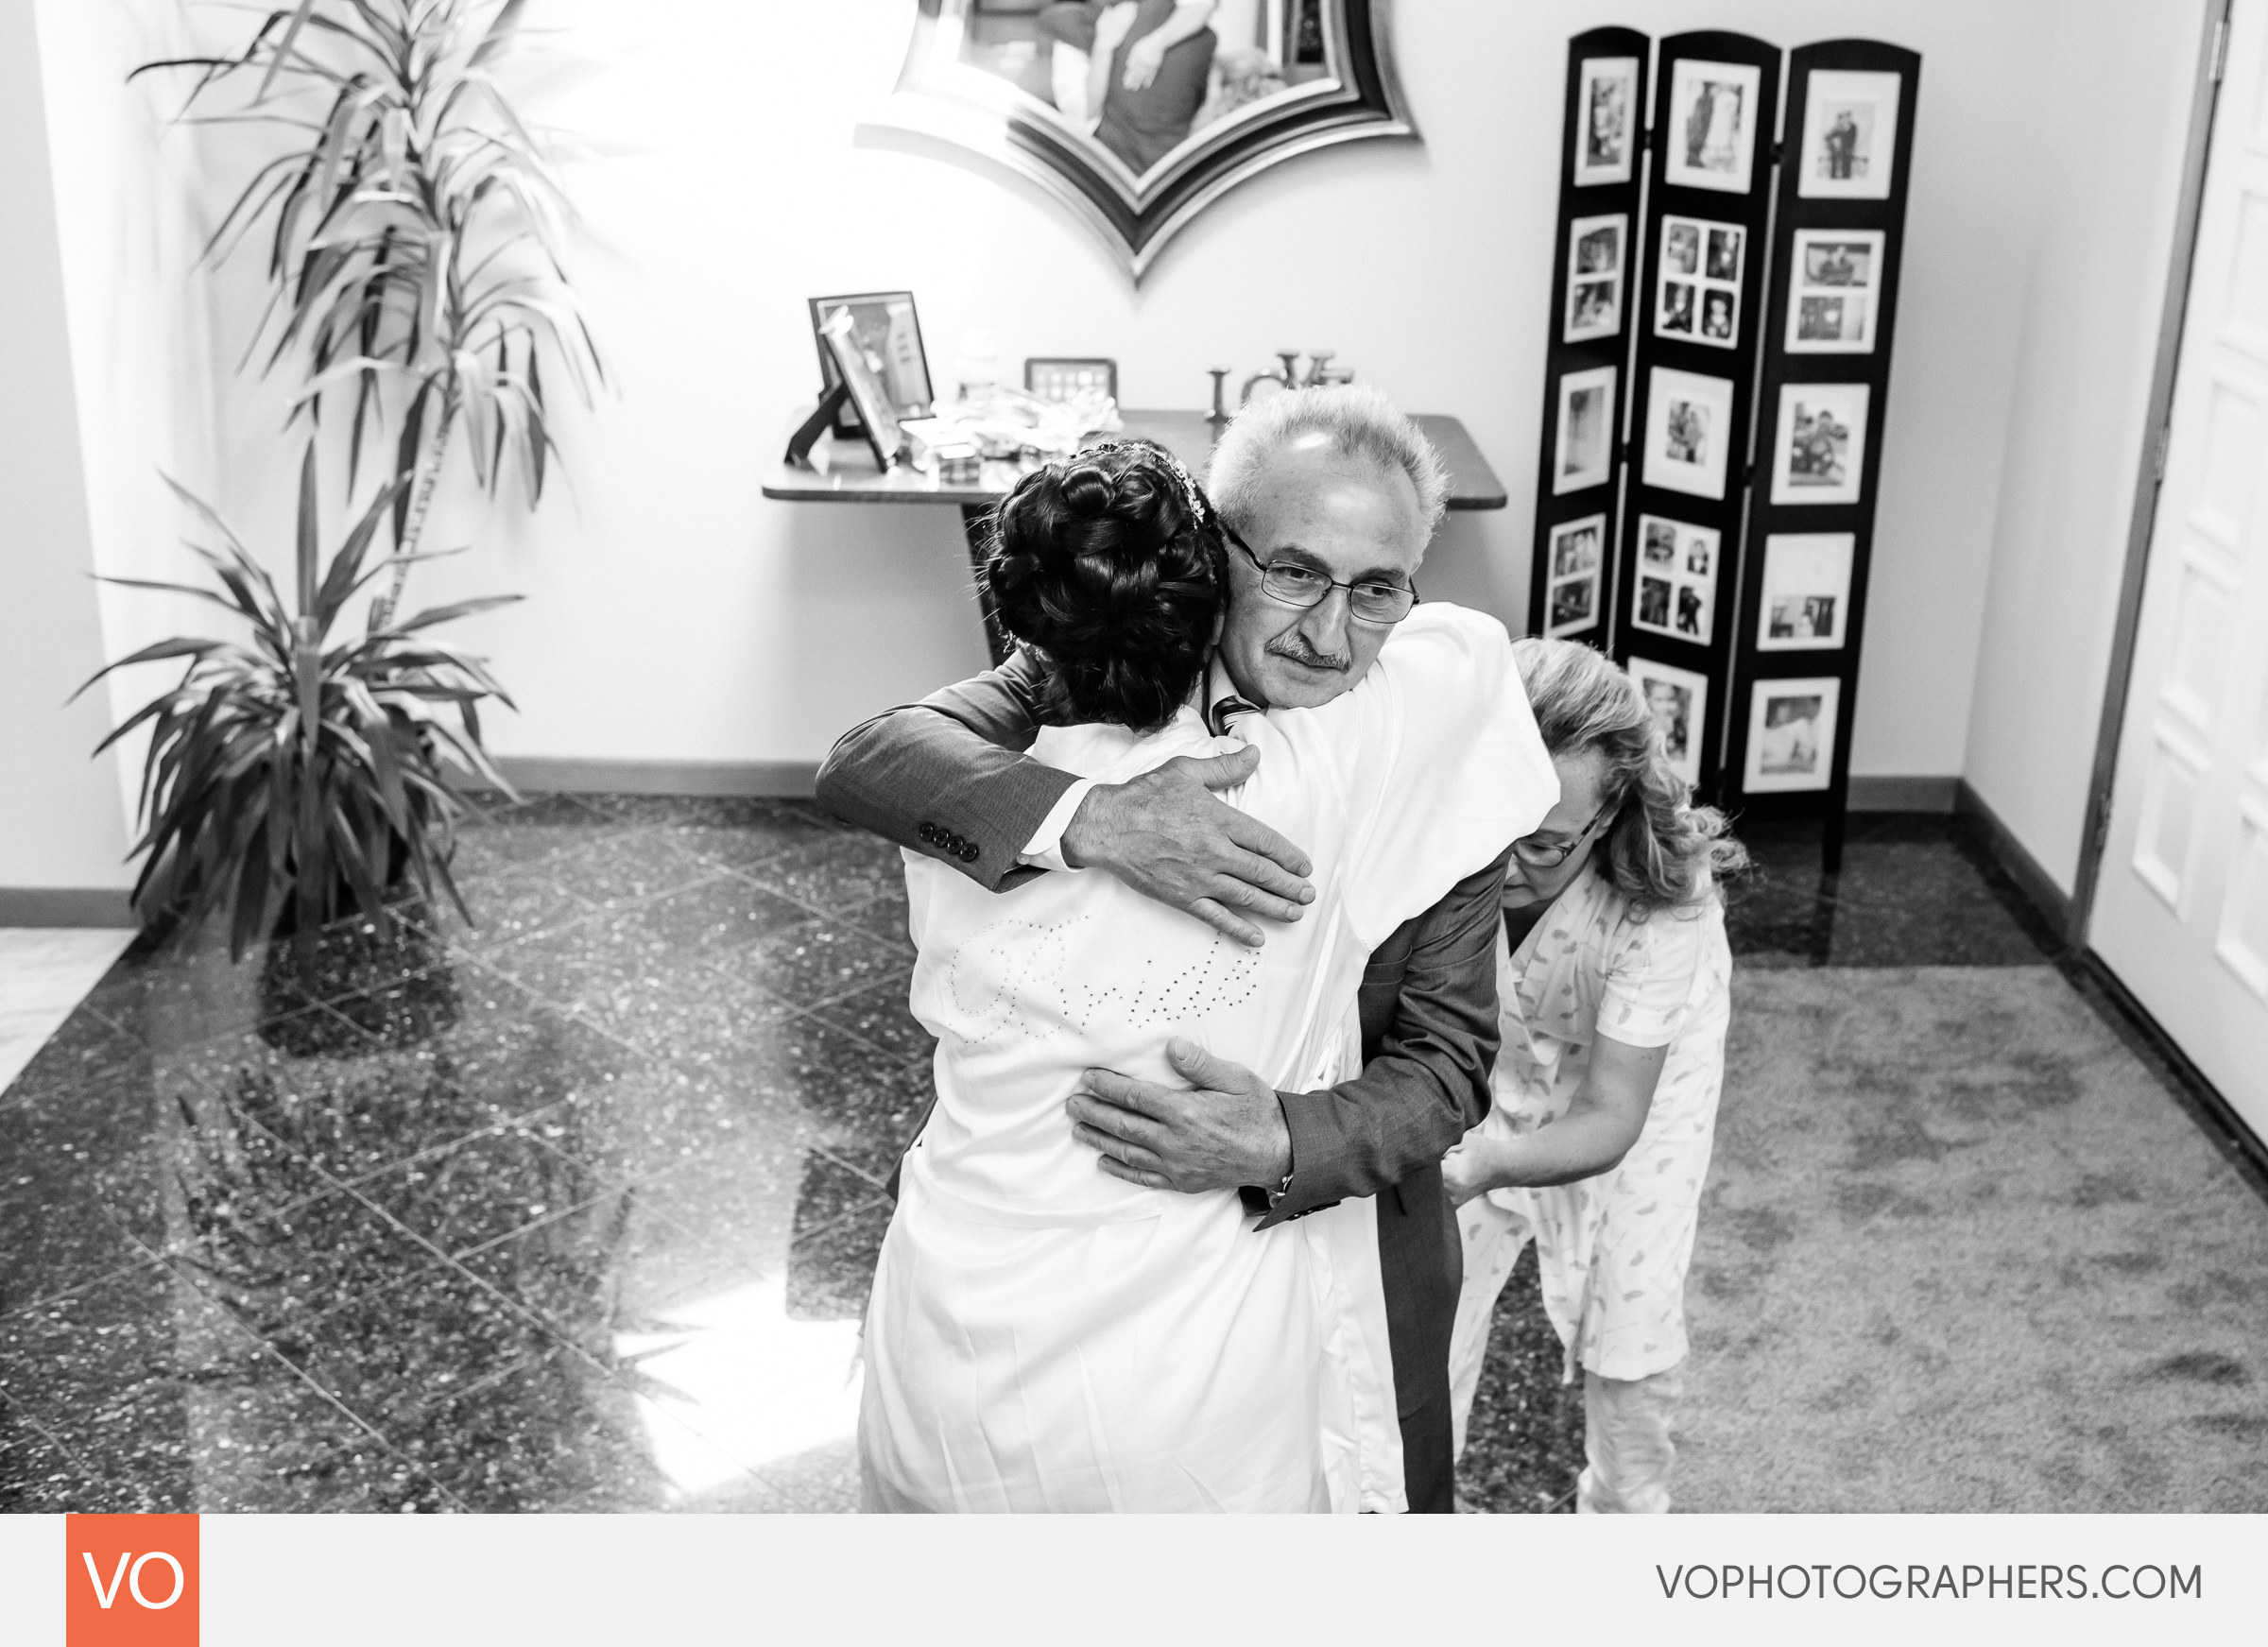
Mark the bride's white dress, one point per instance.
(1043, 1336)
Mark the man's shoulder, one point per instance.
(1451, 918)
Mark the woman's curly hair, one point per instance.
(1662, 850)
(1110, 567)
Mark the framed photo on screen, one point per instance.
(1792, 734)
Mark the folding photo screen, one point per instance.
(1705, 505)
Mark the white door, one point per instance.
(2181, 908)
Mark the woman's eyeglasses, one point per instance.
(1536, 855)
(1303, 586)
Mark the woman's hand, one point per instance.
(1144, 59)
(1469, 1169)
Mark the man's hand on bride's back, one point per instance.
(1169, 837)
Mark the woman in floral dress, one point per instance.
(1613, 983)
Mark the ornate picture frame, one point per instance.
(967, 82)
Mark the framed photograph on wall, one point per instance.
(1680, 701)
(1578, 550)
(1849, 133)
(1595, 252)
(1713, 125)
(1689, 432)
(1792, 734)
(1831, 285)
(889, 331)
(877, 417)
(1584, 445)
(1820, 449)
(1676, 593)
(1806, 591)
(1605, 130)
(1699, 296)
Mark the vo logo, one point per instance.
(131, 1581)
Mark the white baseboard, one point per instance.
(547, 774)
(1903, 794)
(82, 906)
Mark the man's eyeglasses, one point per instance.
(1536, 855)
(1303, 586)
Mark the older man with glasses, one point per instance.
(1329, 496)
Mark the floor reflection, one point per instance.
(571, 1208)
(576, 1207)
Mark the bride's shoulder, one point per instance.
(1115, 753)
(1441, 627)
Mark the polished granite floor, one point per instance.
(575, 1209)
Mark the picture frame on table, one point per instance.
(1714, 118)
(1792, 731)
(1689, 432)
(1698, 296)
(1819, 443)
(1849, 135)
(1576, 551)
(1834, 277)
(877, 415)
(1059, 377)
(1606, 121)
(1583, 440)
(888, 330)
(1806, 599)
(1597, 248)
(1678, 701)
(1676, 581)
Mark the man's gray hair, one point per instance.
(1356, 419)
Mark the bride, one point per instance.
(1043, 1336)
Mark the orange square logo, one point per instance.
(129, 1580)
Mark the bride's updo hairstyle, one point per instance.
(1109, 566)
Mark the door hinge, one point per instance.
(2220, 49)
(2157, 459)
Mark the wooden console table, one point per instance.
(851, 478)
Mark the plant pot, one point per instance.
(396, 990)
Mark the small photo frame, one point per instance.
(1698, 299)
(1677, 580)
(1058, 378)
(1849, 135)
(1595, 253)
(888, 330)
(1819, 451)
(1606, 95)
(1583, 447)
(1834, 275)
(1577, 552)
(1806, 591)
(1689, 432)
(877, 417)
(1713, 125)
(1680, 701)
(1792, 735)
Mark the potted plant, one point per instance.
(292, 780)
(414, 248)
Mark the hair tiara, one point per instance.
(1190, 494)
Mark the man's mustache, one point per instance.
(1294, 647)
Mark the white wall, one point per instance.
(60, 823)
(148, 388)
(2108, 148)
(678, 614)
